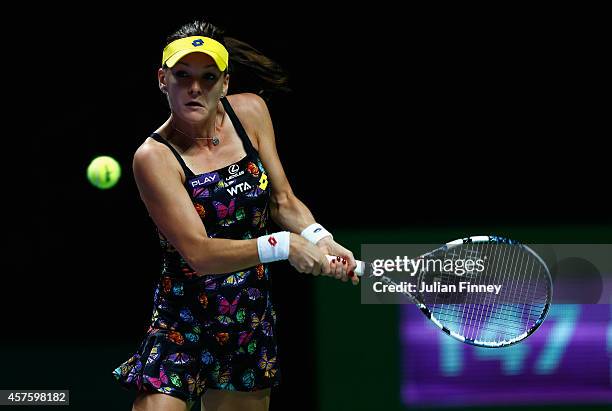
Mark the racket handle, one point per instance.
(359, 270)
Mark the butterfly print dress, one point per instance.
(212, 331)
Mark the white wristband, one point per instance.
(315, 232)
(273, 247)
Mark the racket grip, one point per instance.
(359, 270)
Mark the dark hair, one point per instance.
(251, 70)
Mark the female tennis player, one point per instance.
(211, 180)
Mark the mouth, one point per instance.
(194, 104)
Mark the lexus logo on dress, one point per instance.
(234, 172)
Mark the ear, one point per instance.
(226, 84)
(161, 78)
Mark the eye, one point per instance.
(181, 74)
(210, 76)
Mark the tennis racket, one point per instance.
(492, 320)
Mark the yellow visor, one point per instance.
(178, 49)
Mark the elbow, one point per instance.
(281, 198)
(197, 256)
(197, 263)
(279, 201)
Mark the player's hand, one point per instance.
(306, 257)
(343, 267)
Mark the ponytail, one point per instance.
(251, 70)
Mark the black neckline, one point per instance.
(244, 137)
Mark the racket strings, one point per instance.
(453, 312)
(516, 310)
(513, 310)
(506, 268)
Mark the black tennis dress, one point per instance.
(212, 331)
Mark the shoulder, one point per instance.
(152, 155)
(253, 113)
(150, 151)
(248, 106)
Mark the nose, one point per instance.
(195, 88)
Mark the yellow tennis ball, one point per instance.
(103, 172)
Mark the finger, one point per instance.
(315, 269)
(352, 263)
(333, 267)
(338, 273)
(341, 272)
(344, 269)
(338, 269)
(336, 265)
(324, 266)
(354, 278)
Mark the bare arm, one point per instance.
(286, 209)
(160, 186)
(161, 189)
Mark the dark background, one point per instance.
(449, 112)
(418, 118)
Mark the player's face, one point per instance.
(194, 86)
